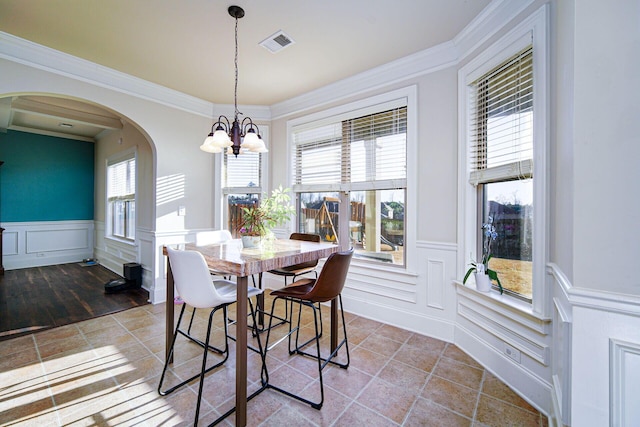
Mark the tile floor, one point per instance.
(105, 372)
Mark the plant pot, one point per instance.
(483, 283)
(250, 241)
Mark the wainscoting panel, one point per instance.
(10, 242)
(436, 280)
(112, 253)
(561, 345)
(145, 238)
(507, 338)
(35, 244)
(56, 240)
(605, 360)
(625, 387)
(421, 298)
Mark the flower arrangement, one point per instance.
(271, 212)
(482, 267)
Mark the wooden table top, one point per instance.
(232, 258)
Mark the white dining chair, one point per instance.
(212, 237)
(197, 289)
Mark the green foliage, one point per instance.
(273, 211)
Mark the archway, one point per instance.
(73, 122)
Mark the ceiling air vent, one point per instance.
(276, 42)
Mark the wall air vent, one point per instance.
(277, 41)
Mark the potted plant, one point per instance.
(257, 221)
(483, 274)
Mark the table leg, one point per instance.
(241, 352)
(169, 309)
(334, 324)
(260, 303)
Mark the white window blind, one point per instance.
(366, 152)
(501, 121)
(122, 180)
(242, 171)
(317, 155)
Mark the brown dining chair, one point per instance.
(308, 292)
(294, 271)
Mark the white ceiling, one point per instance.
(188, 45)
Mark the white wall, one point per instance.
(606, 148)
(597, 216)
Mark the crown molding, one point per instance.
(256, 112)
(487, 23)
(417, 64)
(41, 57)
(490, 20)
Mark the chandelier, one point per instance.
(239, 136)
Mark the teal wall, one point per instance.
(45, 178)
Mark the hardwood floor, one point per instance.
(37, 298)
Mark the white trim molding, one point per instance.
(444, 55)
(40, 243)
(596, 336)
(625, 387)
(44, 58)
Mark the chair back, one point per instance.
(306, 238)
(330, 282)
(204, 238)
(192, 279)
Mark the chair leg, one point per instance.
(205, 346)
(299, 347)
(261, 309)
(204, 364)
(170, 354)
(315, 405)
(193, 314)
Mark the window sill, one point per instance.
(501, 303)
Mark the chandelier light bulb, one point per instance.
(250, 140)
(221, 138)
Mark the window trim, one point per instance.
(366, 106)
(533, 30)
(221, 220)
(123, 156)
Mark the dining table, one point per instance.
(231, 258)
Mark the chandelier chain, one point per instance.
(237, 136)
(235, 91)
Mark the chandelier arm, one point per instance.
(225, 124)
(246, 124)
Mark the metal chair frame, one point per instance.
(308, 296)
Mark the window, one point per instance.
(501, 157)
(503, 167)
(121, 197)
(350, 179)
(242, 185)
